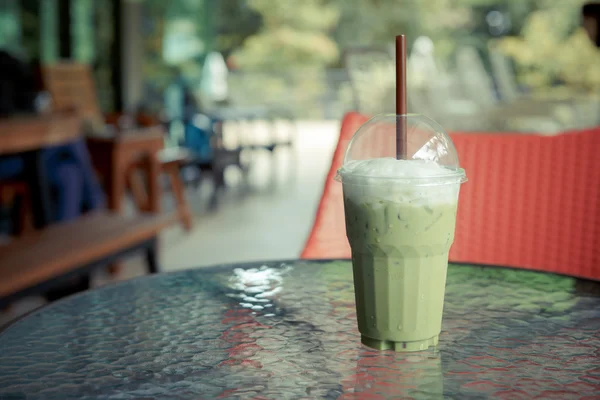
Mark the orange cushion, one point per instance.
(327, 238)
(531, 202)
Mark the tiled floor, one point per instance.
(270, 222)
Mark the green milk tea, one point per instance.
(400, 236)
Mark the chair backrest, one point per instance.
(327, 238)
(71, 86)
(531, 202)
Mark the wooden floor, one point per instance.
(245, 227)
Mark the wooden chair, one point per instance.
(16, 193)
(71, 86)
(117, 159)
(531, 202)
(171, 161)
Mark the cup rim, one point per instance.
(455, 176)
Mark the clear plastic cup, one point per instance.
(400, 221)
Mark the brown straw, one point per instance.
(400, 97)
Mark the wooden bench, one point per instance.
(45, 259)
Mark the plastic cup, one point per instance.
(400, 223)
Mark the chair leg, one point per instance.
(138, 191)
(153, 178)
(22, 216)
(115, 268)
(25, 214)
(218, 175)
(152, 257)
(178, 189)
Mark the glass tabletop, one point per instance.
(282, 330)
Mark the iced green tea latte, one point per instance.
(400, 232)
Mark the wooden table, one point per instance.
(28, 135)
(32, 132)
(115, 153)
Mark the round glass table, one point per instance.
(283, 330)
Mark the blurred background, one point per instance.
(320, 58)
(255, 90)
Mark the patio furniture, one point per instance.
(117, 156)
(287, 330)
(43, 260)
(16, 193)
(28, 135)
(71, 86)
(531, 202)
(243, 124)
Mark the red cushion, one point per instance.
(327, 238)
(531, 202)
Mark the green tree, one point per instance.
(294, 33)
(376, 22)
(235, 22)
(551, 48)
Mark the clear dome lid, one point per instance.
(425, 141)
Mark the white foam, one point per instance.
(411, 181)
(390, 167)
